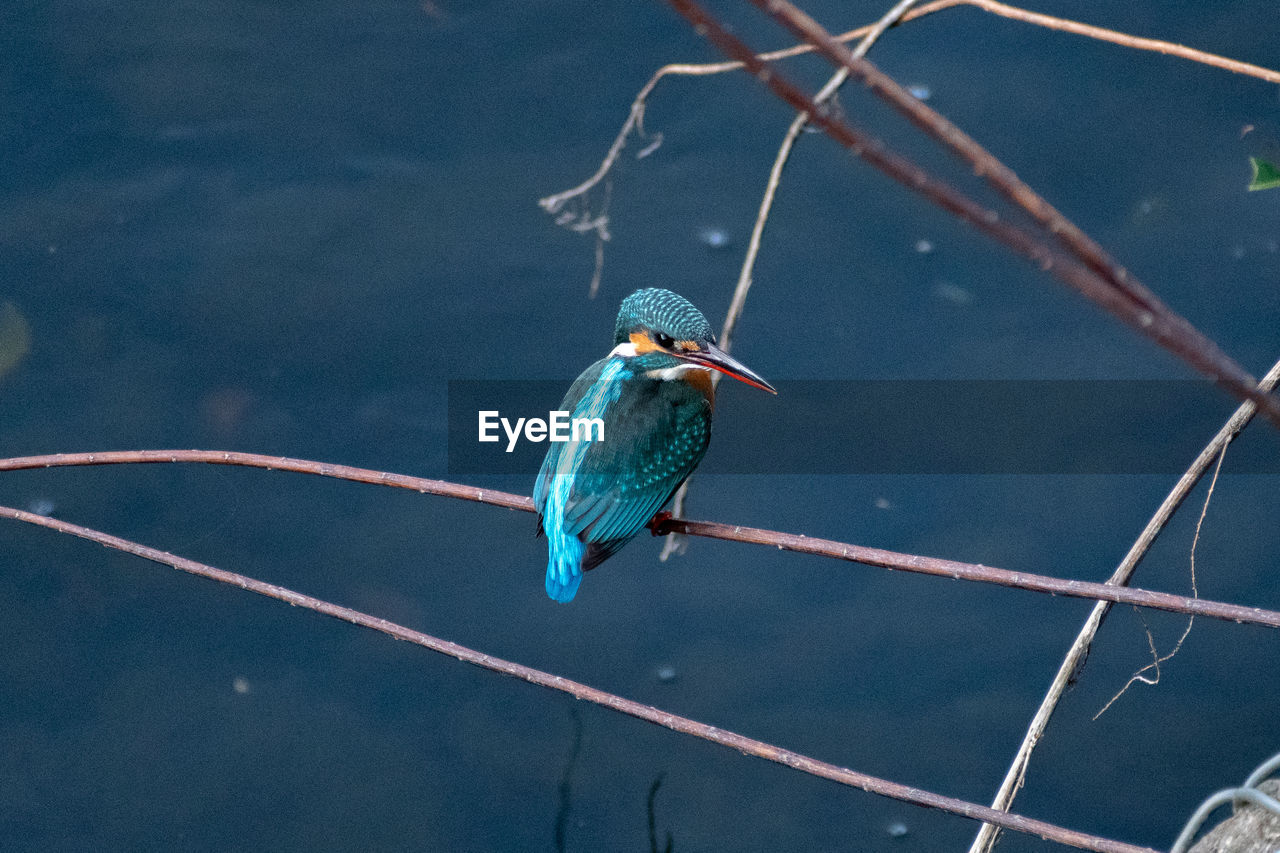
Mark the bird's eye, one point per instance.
(663, 340)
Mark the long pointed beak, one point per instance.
(718, 359)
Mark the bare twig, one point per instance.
(1101, 280)
(648, 713)
(780, 160)
(974, 572)
(661, 526)
(1156, 657)
(1095, 277)
(675, 542)
(598, 271)
(1070, 667)
(553, 203)
(1102, 34)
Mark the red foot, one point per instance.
(655, 524)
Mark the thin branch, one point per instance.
(1097, 278)
(1156, 657)
(1102, 34)
(829, 89)
(553, 203)
(675, 543)
(974, 572)
(648, 713)
(1075, 658)
(1049, 22)
(661, 526)
(798, 124)
(1102, 280)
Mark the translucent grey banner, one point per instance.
(897, 427)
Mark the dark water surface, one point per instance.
(286, 227)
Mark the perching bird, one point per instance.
(654, 393)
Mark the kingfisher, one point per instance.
(654, 393)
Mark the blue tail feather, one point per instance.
(564, 567)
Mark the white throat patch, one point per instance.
(674, 372)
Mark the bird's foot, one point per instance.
(658, 521)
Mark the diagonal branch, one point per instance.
(554, 203)
(956, 570)
(1115, 291)
(1069, 669)
(1102, 34)
(648, 713)
(799, 544)
(675, 542)
(1156, 657)
(985, 165)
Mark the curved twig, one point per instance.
(675, 542)
(1102, 34)
(800, 544)
(648, 713)
(1156, 657)
(1108, 287)
(553, 203)
(1069, 669)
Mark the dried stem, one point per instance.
(1156, 657)
(1096, 276)
(661, 526)
(675, 543)
(554, 203)
(1102, 34)
(1070, 667)
(648, 713)
(1065, 25)
(869, 37)
(1101, 280)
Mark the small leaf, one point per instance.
(1265, 175)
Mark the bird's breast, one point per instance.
(700, 381)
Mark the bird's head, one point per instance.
(667, 331)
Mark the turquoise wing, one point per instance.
(594, 496)
(654, 436)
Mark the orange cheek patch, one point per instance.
(687, 346)
(701, 379)
(643, 343)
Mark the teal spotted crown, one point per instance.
(655, 308)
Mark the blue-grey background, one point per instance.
(284, 227)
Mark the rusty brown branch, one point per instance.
(1115, 291)
(1073, 661)
(934, 124)
(730, 532)
(648, 713)
(1014, 13)
(675, 542)
(554, 203)
(974, 572)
